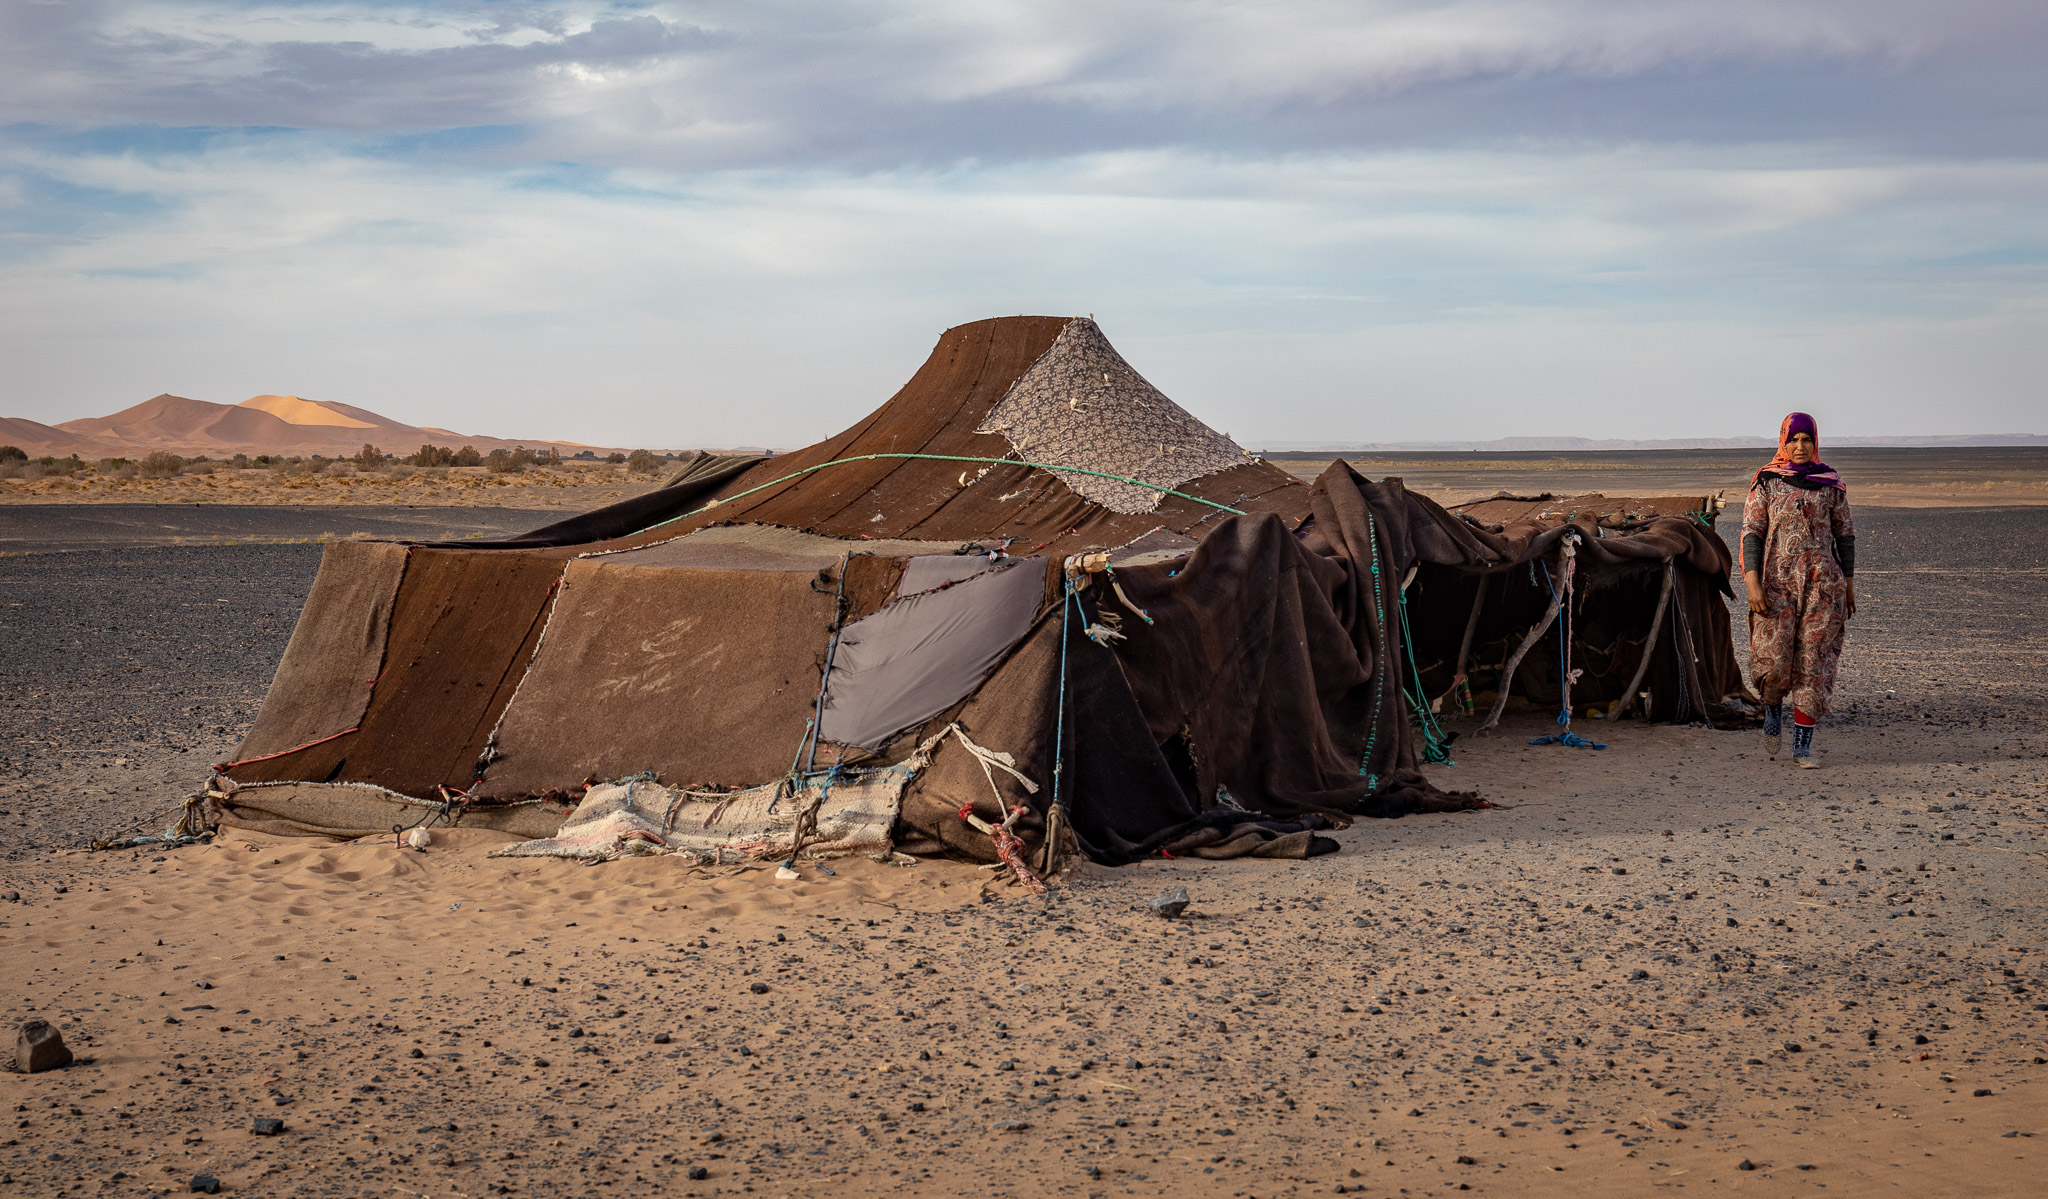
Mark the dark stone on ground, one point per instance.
(39, 1047)
(1171, 904)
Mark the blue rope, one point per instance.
(1071, 599)
(1564, 684)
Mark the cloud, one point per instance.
(644, 305)
(721, 221)
(709, 85)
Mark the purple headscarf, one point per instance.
(1813, 472)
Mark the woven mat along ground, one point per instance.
(637, 817)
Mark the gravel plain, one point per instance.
(1667, 964)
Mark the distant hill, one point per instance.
(265, 424)
(1510, 445)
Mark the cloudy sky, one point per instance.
(746, 222)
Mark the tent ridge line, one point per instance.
(1044, 466)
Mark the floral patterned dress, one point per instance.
(1793, 648)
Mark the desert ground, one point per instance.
(1666, 966)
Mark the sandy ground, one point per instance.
(1651, 965)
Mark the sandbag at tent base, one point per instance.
(853, 814)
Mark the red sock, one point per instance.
(1799, 717)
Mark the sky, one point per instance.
(729, 223)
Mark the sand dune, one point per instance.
(264, 424)
(293, 410)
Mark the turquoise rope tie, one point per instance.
(1379, 690)
(1436, 747)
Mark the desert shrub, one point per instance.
(200, 466)
(401, 470)
(13, 468)
(111, 467)
(13, 453)
(467, 456)
(510, 462)
(239, 462)
(341, 468)
(640, 462)
(369, 457)
(160, 464)
(431, 455)
(615, 457)
(587, 455)
(48, 467)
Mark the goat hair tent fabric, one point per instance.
(1027, 607)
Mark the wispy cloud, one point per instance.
(721, 221)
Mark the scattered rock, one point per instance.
(1171, 904)
(205, 1184)
(662, 1038)
(1013, 1126)
(1794, 1047)
(39, 1047)
(266, 1126)
(418, 1052)
(1981, 1092)
(1677, 1124)
(758, 988)
(1467, 1160)
(698, 1173)
(1746, 1165)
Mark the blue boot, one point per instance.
(1802, 747)
(1774, 724)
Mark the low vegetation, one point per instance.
(434, 468)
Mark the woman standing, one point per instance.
(1799, 559)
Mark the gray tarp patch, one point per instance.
(922, 654)
(769, 547)
(1082, 405)
(936, 570)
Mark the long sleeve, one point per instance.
(1844, 528)
(1756, 522)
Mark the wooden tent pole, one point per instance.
(1507, 677)
(1471, 627)
(1628, 695)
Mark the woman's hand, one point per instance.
(1756, 594)
(1852, 595)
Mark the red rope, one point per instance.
(224, 766)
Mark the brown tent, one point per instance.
(1026, 606)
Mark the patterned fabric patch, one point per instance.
(1081, 405)
(626, 819)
